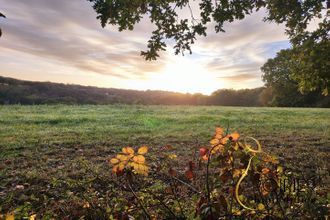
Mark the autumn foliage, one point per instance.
(232, 176)
(127, 159)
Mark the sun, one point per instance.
(187, 76)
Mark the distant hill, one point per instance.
(13, 91)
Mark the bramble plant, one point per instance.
(128, 160)
(229, 178)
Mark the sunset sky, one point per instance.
(61, 41)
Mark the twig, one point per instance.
(177, 199)
(139, 201)
(207, 180)
(187, 184)
(162, 203)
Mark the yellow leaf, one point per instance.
(205, 157)
(10, 216)
(145, 170)
(140, 169)
(122, 157)
(217, 148)
(279, 169)
(121, 166)
(236, 173)
(265, 171)
(134, 165)
(86, 205)
(218, 136)
(115, 169)
(325, 92)
(139, 159)
(237, 212)
(33, 217)
(114, 161)
(234, 136)
(261, 207)
(128, 150)
(172, 156)
(214, 142)
(143, 150)
(219, 131)
(235, 146)
(224, 140)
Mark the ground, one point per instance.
(50, 156)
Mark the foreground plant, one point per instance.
(229, 178)
(128, 160)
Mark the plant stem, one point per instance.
(207, 180)
(187, 184)
(176, 198)
(139, 201)
(163, 204)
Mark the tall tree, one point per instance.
(282, 88)
(312, 66)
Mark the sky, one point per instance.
(62, 41)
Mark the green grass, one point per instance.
(31, 126)
(47, 147)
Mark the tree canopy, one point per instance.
(310, 47)
(295, 14)
(282, 88)
(307, 66)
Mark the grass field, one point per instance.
(44, 147)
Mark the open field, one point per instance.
(54, 152)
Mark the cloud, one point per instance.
(55, 31)
(237, 55)
(67, 34)
(240, 77)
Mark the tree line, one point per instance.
(13, 91)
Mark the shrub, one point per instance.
(229, 178)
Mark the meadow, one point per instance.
(51, 154)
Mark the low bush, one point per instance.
(232, 178)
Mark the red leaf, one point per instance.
(192, 165)
(172, 172)
(189, 174)
(203, 151)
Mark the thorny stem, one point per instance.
(279, 204)
(207, 180)
(187, 184)
(139, 201)
(232, 197)
(163, 204)
(207, 174)
(177, 199)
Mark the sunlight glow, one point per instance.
(181, 75)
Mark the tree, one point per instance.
(1, 15)
(312, 68)
(282, 88)
(295, 14)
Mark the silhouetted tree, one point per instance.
(1, 15)
(14, 91)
